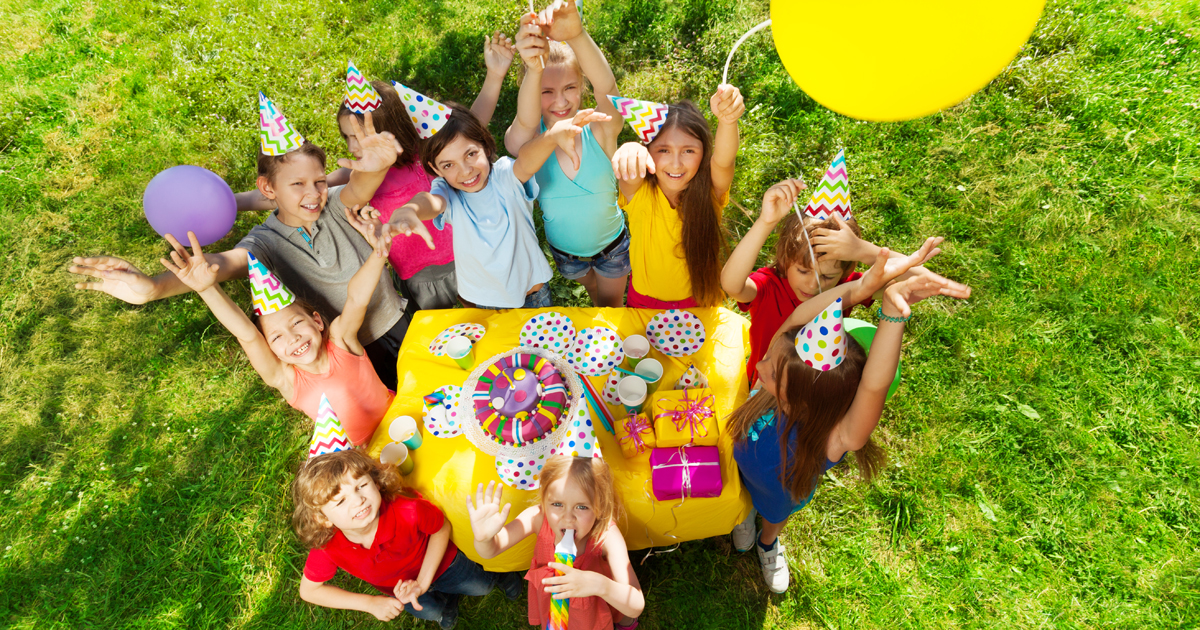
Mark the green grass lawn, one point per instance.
(1044, 448)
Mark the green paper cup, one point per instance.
(653, 370)
(636, 348)
(864, 334)
(397, 453)
(462, 351)
(404, 429)
(632, 392)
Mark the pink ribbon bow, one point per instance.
(634, 426)
(692, 414)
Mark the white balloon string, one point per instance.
(811, 256)
(761, 26)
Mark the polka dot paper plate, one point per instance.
(445, 419)
(552, 331)
(596, 351)
(676, 333)
(474, 332)
(520, 472)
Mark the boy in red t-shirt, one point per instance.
(353, 514)
(772, 293)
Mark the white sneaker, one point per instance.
(744, 533)
(774, 567)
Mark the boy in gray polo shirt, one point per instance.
(310, 242)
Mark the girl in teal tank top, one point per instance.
(585, 227)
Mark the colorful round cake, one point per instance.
(519, 399)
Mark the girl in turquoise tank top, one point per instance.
(578, 190)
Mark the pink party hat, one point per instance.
(275, 134)
(833, 193)
(822, 342)
(267, 293)
(361, 96)
(329, 436)
(427, 115)
(645, 117)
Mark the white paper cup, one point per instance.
(404, 429)
(632, 392)
(653, 370)
(636, 348)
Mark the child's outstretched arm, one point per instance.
(492, 536)
(566, 25)
(407, 219)
(532, 46)
(408, 591)
(343, 330)
(322, 594)
(497, 56)
(379, 152)
(630, 163)
(561, 136)
(728, 107)
(198, 274)
(777, 203)
(122, 280)
(622, 592)
(861, 419)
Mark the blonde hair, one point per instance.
(561, 54)
(594, 477)
(320, 478)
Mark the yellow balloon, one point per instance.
(886, 60)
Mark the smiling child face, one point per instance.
(293, 335)
(569, 507)
(355, 506)
(464, 164)
(298, 188)
(677, 157)
(560, 93)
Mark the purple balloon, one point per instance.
(184, 198)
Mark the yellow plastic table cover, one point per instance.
(447, 470)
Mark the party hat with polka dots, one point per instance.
(360, 96)
(276, 136)
(833, 193)
(426, 114)
(329, 436)
(580, 438)
(267, 293)
(822, 342)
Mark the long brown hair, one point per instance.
(390, 117)
(320, 478)
(703, 239)
(594, 476)
(815, 403)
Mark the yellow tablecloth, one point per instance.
(447, 470)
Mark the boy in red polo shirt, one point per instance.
(353, 514)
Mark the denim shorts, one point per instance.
(537, 299)
(612, 264)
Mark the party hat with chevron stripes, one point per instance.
(821, 343)
(645, 117)
(267, 293)
(426, 114)
(361, 96)
(329, 436)
(833, 194)
(276, 135)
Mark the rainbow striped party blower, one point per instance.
(564, 553)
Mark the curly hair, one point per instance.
(320, 479)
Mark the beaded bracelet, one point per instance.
(889, 318)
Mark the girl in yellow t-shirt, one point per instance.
(673, 189)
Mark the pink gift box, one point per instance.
(686, 471)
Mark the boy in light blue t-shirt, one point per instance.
(489, 202)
